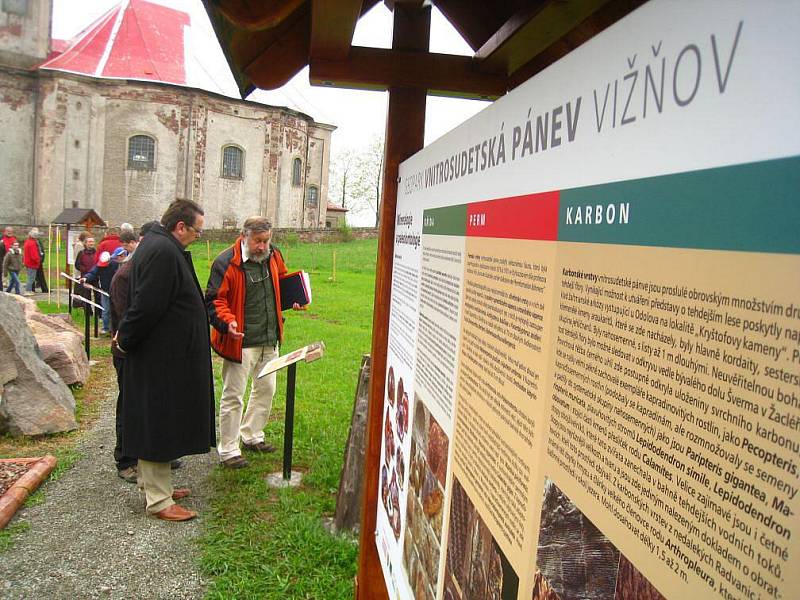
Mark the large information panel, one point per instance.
(593, 378)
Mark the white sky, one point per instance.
(359, 115)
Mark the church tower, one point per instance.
(24, 32)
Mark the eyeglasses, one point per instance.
(259, 279)
(198, 231)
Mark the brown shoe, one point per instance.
(259, 447)
(175, 512)
(179, 493)
(235, 462)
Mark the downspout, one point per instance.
(37, 94)
(305, 179)
(319, 188)
(186, 187)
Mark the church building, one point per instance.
(124, 117)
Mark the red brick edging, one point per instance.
(16, 495)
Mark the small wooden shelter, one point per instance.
(84, 217)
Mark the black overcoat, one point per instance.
(168, 386)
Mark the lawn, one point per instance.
(266, 543)
(260, 542)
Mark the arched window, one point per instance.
(313, 197)
(142, 153)
(232, 161)
(297, 167)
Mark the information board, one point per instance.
(593, 371)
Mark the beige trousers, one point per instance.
(156, 480)
(232, 426)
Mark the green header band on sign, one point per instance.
(449, 220)
(753, 207)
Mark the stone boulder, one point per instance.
(60, 342)
(33, 398)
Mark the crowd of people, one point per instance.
(14, 257)
(163, 326)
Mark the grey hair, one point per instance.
(126, 227)
(256, 225)
(34, 232)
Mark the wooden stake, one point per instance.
(208, 252)
(405, 135)
(49, 259)
(334, 266)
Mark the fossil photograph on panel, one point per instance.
(427, 464)
(475, 568)
(576, 561)
(393, 468)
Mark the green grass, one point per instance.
(260, 542)
(266, 543)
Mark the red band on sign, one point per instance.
(529, 217)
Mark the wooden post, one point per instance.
(68, 271)
(334, 266)
(208, 252)
(50, 260)
(405, 135)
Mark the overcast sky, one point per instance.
(359, 115)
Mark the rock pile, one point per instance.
(34, 398)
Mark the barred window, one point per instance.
(142, 153)
(313, 197)
(232, 161)
(297, 166)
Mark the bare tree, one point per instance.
(357, 178)
(368, 181)
(344, 163)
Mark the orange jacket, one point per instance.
(225, 298)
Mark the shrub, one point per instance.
(345, 233)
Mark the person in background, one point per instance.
(80, 243)
(126, 465)
(85, 261)
(167, 382)
(2, 260)
(41, 279)
(12, 264)
(244, 306)
(109, 243)
(125, 227)
(102, 274)
(6, 242)
(31, 259)
(8, 237)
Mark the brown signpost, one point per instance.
(266, 44)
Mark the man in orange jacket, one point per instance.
(244, 306)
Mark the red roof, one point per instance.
(134, 40)
(336, 208)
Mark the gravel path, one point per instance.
(90, 537)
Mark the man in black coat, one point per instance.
(168, 386)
